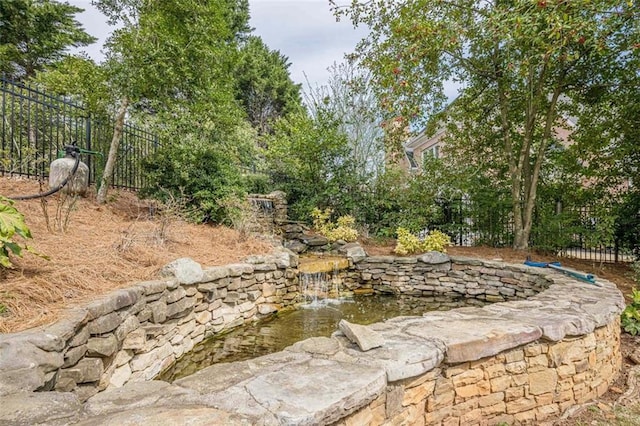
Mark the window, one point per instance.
(433, 152)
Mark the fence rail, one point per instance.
(36, 126)
(572, 231)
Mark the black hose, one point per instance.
(53, 190)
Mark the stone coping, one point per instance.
(322, 380)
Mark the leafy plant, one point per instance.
(630, 318)
(436, 241)
(12, 224)
(342, 229)
(408, 243)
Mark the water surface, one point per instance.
(284, 329)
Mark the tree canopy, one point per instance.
(522, 65)
(264, 86)
(37, 33)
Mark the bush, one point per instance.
(409, 244)
(342, 229)
(630, 318)
(202, 174)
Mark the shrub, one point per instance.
(342, 229)
(408, 243)
(436, 241)
(203, 174)
(630, 318)
(12, 224)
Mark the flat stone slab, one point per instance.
(316, 392)
(302, 392)
(137, 395)
(472, 336)
(169, 416)
(219, 377)
(34, 408)
(401, 357)
(361, 335)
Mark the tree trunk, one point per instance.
(107, 175)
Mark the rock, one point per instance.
(363, 336)
(169, 416)
(185, 270)
(105, 324)
(102, 346)
(315, 240)
(472, 335)
(296, 246)
(50, 408)
(635, 356)
(214, 273)
(292, 228)
(90, 369)
(353, 251)
(134, 395)
(23, 365)
(434, 258)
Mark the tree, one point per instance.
(36, 33)
(174, 59)
(264, 87)
(308, 158)
(522, 65)
(349, 94)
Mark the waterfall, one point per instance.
(321, 288)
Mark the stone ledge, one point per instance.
(324, 380)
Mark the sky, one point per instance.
(305, 31)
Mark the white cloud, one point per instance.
(307, 33)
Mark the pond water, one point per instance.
(313, 320)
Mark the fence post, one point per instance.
(87, 137)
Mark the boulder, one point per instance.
(434, 258)
(185, 270)
(296, 246)
(316, 240)
(353, 251)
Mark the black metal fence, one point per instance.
(582, 232)
(36, 126)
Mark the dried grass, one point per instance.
(105, 248)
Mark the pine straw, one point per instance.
(104, 248)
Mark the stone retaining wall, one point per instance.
(134, 333)
(524, 385)
(549, 342)
(434, 277)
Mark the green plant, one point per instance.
(12, 224)
(342, 229)
(630, 318)
(408, 243)
(436, 241)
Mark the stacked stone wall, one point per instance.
(550, 342)
(523, 386)
(436, 277)
(269, 212)
(135, 333)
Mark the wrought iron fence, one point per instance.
(571, 231)
(36, 126)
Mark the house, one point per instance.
(418, 147)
